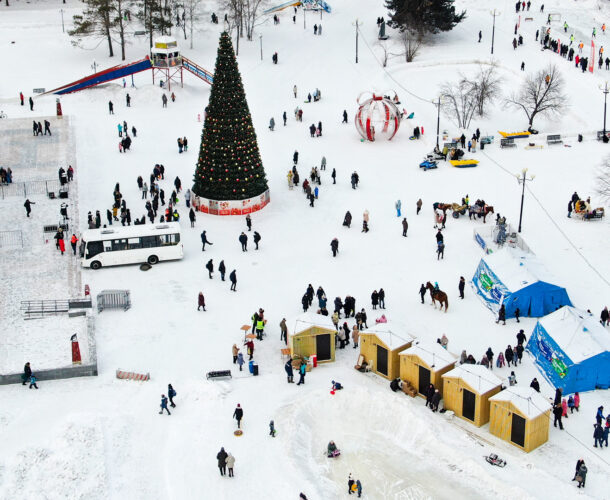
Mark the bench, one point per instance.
(507, 143)
(600, 135)
(218, 374)
(554, 139)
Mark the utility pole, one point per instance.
(62, 20)
(304, 24)
(94, 67)
(522, 179)
(494, 13)
(260, 37)
(605, 91)
(357, 24)
(438, 121)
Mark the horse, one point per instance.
(480, 211)
(442, 206)
(438, 295)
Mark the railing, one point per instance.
(113, 299)
(11, 239)
(39, 308)
(29, 188)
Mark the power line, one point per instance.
(600, 275)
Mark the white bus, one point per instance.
(114, 246)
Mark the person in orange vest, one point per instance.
(580, 47)
(73, 242)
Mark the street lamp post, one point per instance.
(260, 37)
(494, 13)
(522, 179)
(357, 24)
(605, 90)
(438, 120)
(62, 20)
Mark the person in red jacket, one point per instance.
(201, 301)
(73, 242)
(62, 246)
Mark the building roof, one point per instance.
(390, 334)
(580, 335)
(431, 353)
(308, 320)
(527, 400)
(478, 377)
(518, 269)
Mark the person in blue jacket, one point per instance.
(289, 373)
(337, 386)
(302, 370)
(600, 415)
(164, 405)
(33, 382)
(240, 360)
(172, 394)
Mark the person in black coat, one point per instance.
(381, 298)
(519, 354)
(344, 116)
(28, 206)
(222, 461)
(222, 269)
(422, 292)
(578, 464)
(557, 412)
(535, 385)
(461, 286)
(289, 372)
(27, 373)
(210, 267)
(429, 394)
(191, 216)
(502, 315)
(558, 395)
(509, 355)
(338, 305)
(490, 357)
(257, 238)
(334, 246)
(238, 414)
(363, 318)
(347, 220)
(436, 399)
(233, 278)
(521, 337)
(243, 239)
(439, 237)
(374, 299)
(305, 302)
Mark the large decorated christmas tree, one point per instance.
(229, 165)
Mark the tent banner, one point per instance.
(556, 359)
(489, 286)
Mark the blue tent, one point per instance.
(572, 350)
(517, 279)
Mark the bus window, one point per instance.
(150, 241)
(107, 246)
(93, 248)
(133, 243)
(119, 245)
(176, 238)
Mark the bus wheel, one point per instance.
(96, 265)
(153, 259)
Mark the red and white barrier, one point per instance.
(132, 376)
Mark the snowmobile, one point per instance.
(428, 163)
(493, 459)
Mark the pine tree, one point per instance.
(423, 17)
(229, 166)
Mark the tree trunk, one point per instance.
(108, 35)
(119, 10)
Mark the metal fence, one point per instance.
(113, 299)
(490, 239)
(29, 188)
(11, 239)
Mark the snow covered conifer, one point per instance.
(229, 166)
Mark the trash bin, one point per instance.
(254, 370)
(314, 360)
(251, 366)
(482, 146)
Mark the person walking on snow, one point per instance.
(398, 206)
(222, 461)
(201, 301)
(238, 414)
(164, 405)
(210, 267)
(243, 239)
(230, 461)
(204, 241)
(240, 360)
(172, 394)
(222, 270)
(289, 371)
(233, 278)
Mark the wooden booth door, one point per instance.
(517, 433)
(323, 347)
(468, 404)
(382, 360)
(424, 380)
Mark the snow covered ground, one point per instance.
(102, 438)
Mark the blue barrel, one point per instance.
(251, 366)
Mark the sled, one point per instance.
(534, 146)
(493, 459)
(514, 135)
(428, 164)
(464, 163)
(334, 454)
(238, 432)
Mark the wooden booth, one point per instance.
(521, 416)
(424, 363)
(380, 347)
(313, 334)
(466, 392)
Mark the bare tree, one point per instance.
(541, 94)
(603, 180)
(384, 52)
(192, 16)
(411, 41)
(486, 87)
(251, 16)
(459, 101)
